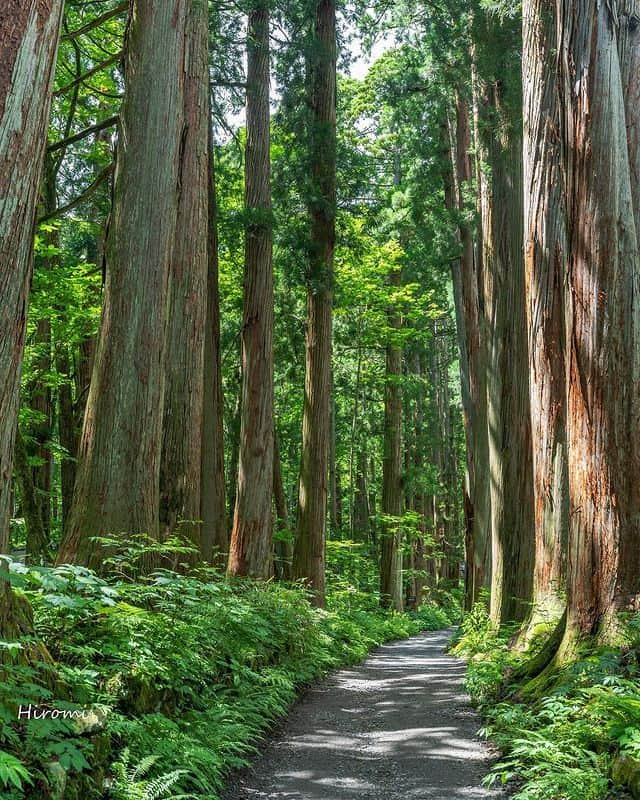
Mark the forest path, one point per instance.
(397, 726)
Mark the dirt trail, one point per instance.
(396, 727)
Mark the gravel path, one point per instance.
(397, 727)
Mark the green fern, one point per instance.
(131, 784)
(12, 771)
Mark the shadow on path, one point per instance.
(397, 726)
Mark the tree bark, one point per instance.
(234, 436)
(392, 493)
(600, 83)
(118, 480)
(215, 538)
(545, 269)
(508, 413)
(181, 460)
(469, 307)
(309, 555)
(29, 33)
(250, 549)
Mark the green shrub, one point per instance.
(187, 671)
(560, 744)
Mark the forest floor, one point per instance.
(397, 726)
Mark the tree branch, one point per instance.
(88, 192)
(100, 126)
(119, 9)
(102, 65)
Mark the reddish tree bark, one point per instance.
(600, 82)
(545, 269)
(468, 293)
(250, 549)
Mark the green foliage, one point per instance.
(130, 782)
(182, 672)
(488, 652)
(560, 744)
(12, 771)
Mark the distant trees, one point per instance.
(391, 593)
(133, 376)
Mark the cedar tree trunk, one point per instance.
(250, 549)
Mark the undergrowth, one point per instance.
(177, 676)
(564, 740)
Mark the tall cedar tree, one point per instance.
(469, 307)
(214, 539)
(250, 550)
(309, 553)
(180, 467)
(545, 268)
(509, 430)
(600, 84)
(29, 33)
(392, 494)
(118, 481)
